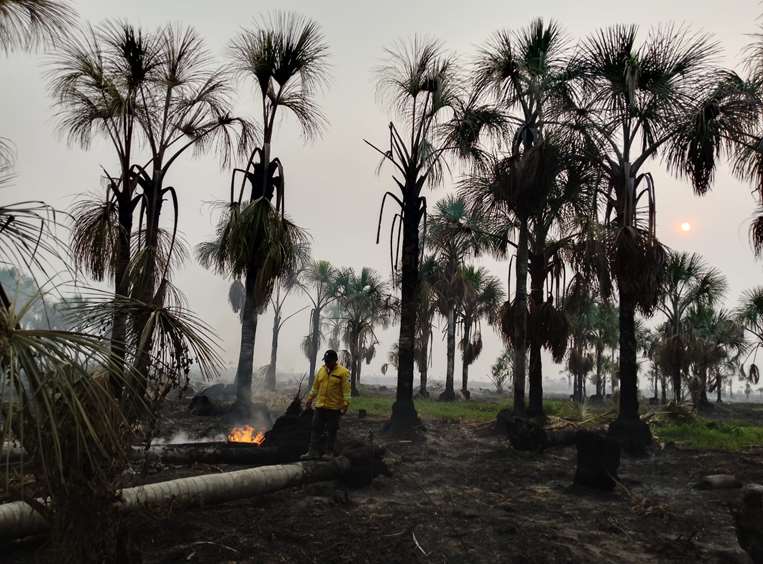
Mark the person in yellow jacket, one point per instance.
(330, 395)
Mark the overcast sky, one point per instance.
(332, 188)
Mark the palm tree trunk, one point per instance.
(628, 365)
(719, 390)
(423, 374)
(464, 363)
(599, 383)
(520, 331)
(354, 375)
(404, 416)
(246, 352)
(316, 321)
(633, 434)
(146, 288)
(535, 396)
(270, 377)
(449, 394)
(703, 401)
(676, 381)
(121, 290)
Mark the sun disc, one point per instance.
(686, 226)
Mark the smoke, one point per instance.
(183, 437)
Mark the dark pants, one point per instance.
(324, 420)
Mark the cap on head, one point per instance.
(330, 356)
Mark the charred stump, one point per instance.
(529, 435)
(748, 521)
(598, 461)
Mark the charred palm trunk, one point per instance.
(315, 319)
(537, 277)
(270, 377)
(676, 381)
(246, 352)
(628, 429)
(404, 416)
(520, 319)
(121, 290)
(449, 394)
(599, 381)
(718, 390)
(146, 285)
(628, 365)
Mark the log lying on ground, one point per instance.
(19, 519)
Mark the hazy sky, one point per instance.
(332, 189)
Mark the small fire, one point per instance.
(245, 434)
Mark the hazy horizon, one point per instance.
(332, 188)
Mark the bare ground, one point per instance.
(460, 495)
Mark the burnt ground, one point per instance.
(460, 495)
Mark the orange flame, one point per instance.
(245, 434)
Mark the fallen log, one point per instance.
(19, 519)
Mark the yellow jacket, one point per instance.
(331, 391)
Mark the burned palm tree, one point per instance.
(421, 84)
(715, 341)
(727, 122)
(527, 74)
(429, 272)
(749, 314)
(283, 288)
(636, 98)
(319, 282)
(604, 336)
(253, 242)
(285, 56)
(363, 305)
(454, 236)
(157, 90)
(687, 283)
(482, 299)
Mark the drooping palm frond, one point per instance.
(95, 236)
(59, 405)
(254, 235)
(28, 24)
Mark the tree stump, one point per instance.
(598, 461)
(633, 435)
(748, 520)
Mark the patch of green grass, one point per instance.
(704, 434)
(472, 410)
